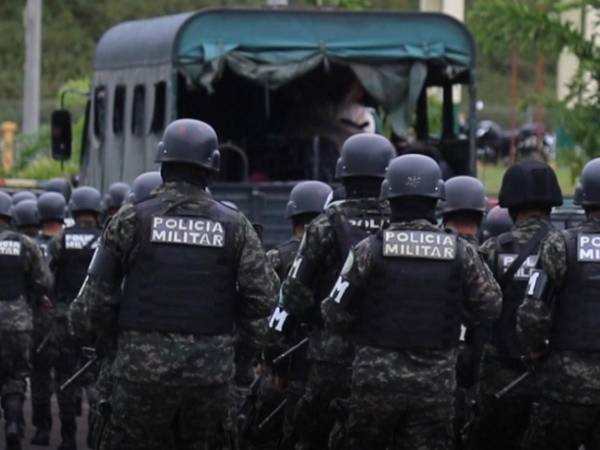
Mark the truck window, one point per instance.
(99, 111)
(138, 112)
(158, 114)
(119, 110)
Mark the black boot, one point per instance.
(13, 411)
(68, 431)
(41, 437)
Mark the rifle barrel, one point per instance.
(77, 374)
(272, 414)
(502, 392)
(290, 350)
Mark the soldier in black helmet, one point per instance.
(559, 322)
(464, 206)
(115, 197)
(20, 196)
(176, 277)
(144, 185)
(462, 211)
(51, 211)
(529, 191)
(307, 200)
(496, 222)
(60, 185)
(70, 254)
(400, 297)
(327, 241)
(26, 218)
(24, 280)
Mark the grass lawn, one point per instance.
(491, 176)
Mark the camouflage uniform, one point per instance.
(16, 322)
(166, 380)
(404, 398)
(41, 362)
(503, 422)
(567, 416)
(329, 355)
(65, 350)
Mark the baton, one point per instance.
(502, 392)
(290, 350)
(77, 374)
(273, 413)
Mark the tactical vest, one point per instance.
(576, 323)
(78, 246)
(287, 252)
(504, 330)
(12, 267)
(184, 277)
(351, 225)
(414, 292)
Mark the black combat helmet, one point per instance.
(85, 199)
(307, 197)
(61, 186)
(190, 141)
(496, 222)
(364, 155)
(5, 205)
(413, 176)
(530, 184)
(25, 214)
(464, 193)
(20, 196)
(51, 207)
(589, 193)
(143, 186)
(116, 195)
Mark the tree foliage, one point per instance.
(530, 25)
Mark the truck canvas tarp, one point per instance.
(281, 87)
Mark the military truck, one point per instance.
(283, 88)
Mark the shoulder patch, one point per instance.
(588, 247)
(10, 248)
(419, 244)
(187, 231)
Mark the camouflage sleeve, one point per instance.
(99, 296)
(39, 278)
(257, 288)
(483, 299)
(488, 251)
(338, 309)
(54, 250)
(274, 259)
(297, 291)
(534, 316)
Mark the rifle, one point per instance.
(291, 350)
(93, 357)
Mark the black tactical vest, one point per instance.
(414, 292)
(184, 278)
(504, 330)
(287, 252)
(351, 225)
(78, 246)
(576, 324)
(12, 267)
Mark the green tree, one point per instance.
(536, 25)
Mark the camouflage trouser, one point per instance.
(154, 416)
(14, 361)
(563, 426)
(502, 422)
(382, 418)
(314, 416)
(41, 381)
